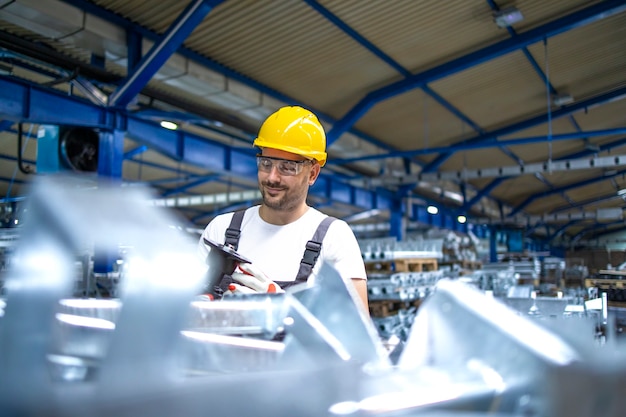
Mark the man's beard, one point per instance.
(292, 197)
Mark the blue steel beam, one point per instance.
(14, 159)
(182, 27)
(602, 148)
(572, 21)
(186, 175)
(484, 192)
(564, 188)
(490, 140)
(550, 91)
(583, 203)
(6, 125)
(134, 152)
(92, 8)
(597, 227)
(20, 100)
(559, 231)
(536, 67)
(388, 60)
(133, 48)
(7, 179)
(111, 155)
(403, 71)
(189, 185)
(612, 96)
(545, 181)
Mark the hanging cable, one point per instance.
(20, 149)
(464, 153)
(425, 102)
(545, 48)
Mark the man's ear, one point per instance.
(315, 172)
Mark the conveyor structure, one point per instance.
(157, 350)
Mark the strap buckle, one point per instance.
(311, 253)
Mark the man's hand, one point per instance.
(252, 280)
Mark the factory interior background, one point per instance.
(477, 149)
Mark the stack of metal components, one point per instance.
(394, 291)
(527, 271)
(399, 295)
(494, 280)
(160, 351)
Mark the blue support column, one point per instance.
(397, 227)
(515, 241)
(493, 245)
(110, 158)
(111, 155)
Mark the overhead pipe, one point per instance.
(26, 101)
(492, 185)
(99, 11)
(583, 203)
(589, 181)
(506, 171)
(160, 52)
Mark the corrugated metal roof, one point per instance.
(295, 51)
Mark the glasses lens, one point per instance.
(264, 164)
(284, 166)
(288, 167)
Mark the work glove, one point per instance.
(249, 279)
(204, 297)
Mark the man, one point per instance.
(276, 235)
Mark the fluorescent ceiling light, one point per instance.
(507, 17)
(432, 209)
(169, 125)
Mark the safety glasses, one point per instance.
(285, 166)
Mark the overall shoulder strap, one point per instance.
(313, 248)
(231, 236)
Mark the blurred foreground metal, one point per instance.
(158, 350)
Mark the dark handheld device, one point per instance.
(222, 260)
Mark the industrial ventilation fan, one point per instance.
(67, 148)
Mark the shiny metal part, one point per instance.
(158, 351)
(335, 303)
(403, 286)
(250, 314)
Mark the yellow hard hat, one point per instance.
(296, 130)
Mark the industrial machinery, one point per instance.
(158, 350)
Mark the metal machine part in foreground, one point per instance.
(157, 351)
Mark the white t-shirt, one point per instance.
(278, 250)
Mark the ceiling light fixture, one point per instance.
(562, 99)
(169, 125)
(507, 17)
(432, 210)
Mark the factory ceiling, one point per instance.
(510, 113)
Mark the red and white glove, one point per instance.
(251, 280)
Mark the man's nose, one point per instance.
(274, 174)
